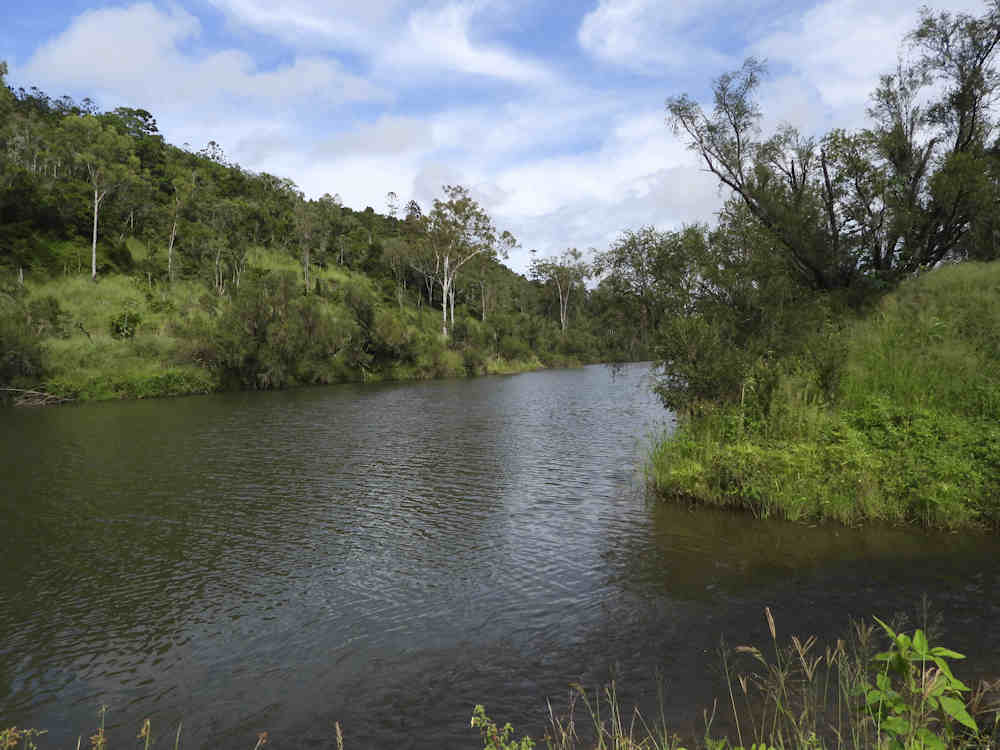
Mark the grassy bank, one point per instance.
(894, 417)
(127, 336)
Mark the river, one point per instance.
(387, 556)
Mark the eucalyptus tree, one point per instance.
(565, 272)
(308, 229)
(182, 187)
(105, 156)
(458, 229)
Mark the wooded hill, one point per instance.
(132, 267)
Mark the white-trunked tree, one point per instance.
(458, 230)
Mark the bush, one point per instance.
(893, 418)
(21, 354)
(124, 324)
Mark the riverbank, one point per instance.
(893, 417)
(125, 337)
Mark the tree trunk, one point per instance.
(305, 266)
(170, 252)
(446, 280)
(445, 288)
(93, 244)
(563, 307)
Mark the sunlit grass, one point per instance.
(910, 432)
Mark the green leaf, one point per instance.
(874, 696)
(920, 643)
(946, 652)
(896, 725)
(886, 628)
(930, 740)
(956, 710)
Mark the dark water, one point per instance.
(388, 556)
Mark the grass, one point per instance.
(895, 419)
(126, 337)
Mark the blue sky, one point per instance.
(551, 112)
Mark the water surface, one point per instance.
(387, 556)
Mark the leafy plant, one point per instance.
(494, 737)
(916, 699)
(125, 323)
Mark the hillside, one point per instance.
(132, 268)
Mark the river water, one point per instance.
(387, 556)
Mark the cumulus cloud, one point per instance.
(831, 56)
(652, 36)
(441, 38)
(136, 53)
(391, 36)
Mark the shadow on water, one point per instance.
(388, 556)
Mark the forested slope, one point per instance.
(130, 267)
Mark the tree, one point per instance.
(564, 272)
(107, 159)
(880, 203)
(183, 186)
(638, 269)
(459, 229)
(308, 227)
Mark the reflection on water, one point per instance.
(388, 556)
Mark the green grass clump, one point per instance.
(904, 430)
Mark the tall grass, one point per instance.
(894, 419)
(875, 688)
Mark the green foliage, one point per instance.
(269, 335)
(916, 700)
(893, 418)
(235, 276)
(494, 737)
(844, 695)
(21, 353)
(47, 317)
(124, 324)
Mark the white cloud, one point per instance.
(441, 38)
(393, 37)
(835, 53)
(388, 135)
(135, 53)
(649, 35)
(338, 24)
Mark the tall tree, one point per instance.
(458, 229)
(107, 159)
(885, 201)
(635, 270)
(183, 186)
(564, 272)
(308, 227)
